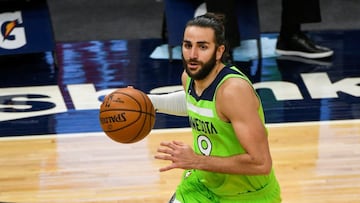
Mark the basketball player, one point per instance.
(230, 159)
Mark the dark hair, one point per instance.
(211, 20)
(215, 22)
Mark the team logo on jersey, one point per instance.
(12, 34)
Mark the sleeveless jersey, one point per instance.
(214, 137)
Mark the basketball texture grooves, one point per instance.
(127, 115)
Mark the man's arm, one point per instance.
(236, 103)
(173, 103)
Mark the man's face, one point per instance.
(199, 52)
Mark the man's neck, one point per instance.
(201, 85)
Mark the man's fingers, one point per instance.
(171, 145)
(166, 168)
(163, 157)
(168, 150)
(167, 158)
(165, 151)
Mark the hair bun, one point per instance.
(215, 16)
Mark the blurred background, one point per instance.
(83, 20)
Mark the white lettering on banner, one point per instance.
(13, 36)
(25, 102)
(282, 90)
(320, 86)
(84, 96)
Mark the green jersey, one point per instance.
(214, 137)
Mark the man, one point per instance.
(230, 160)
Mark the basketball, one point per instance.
(127, 115)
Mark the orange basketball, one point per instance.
(127, 115)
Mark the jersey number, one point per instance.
(204, 145)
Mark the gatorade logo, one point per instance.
(12, 34)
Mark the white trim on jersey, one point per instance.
(200, 110)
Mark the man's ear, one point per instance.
(220, 52)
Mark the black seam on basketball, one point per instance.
(125, 126)
(122, 109)
(144, 121)
(129, 95)
(142, 95)
(147, 113)
(141, 112)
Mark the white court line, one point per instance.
(170, 130)
(352, 121)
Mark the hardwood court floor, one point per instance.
(52, 148)
(315, 162)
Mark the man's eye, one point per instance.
(187, 46)
(203, 47)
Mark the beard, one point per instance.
(205, 69)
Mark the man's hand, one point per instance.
(180, 154)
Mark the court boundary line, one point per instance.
(169, 130)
